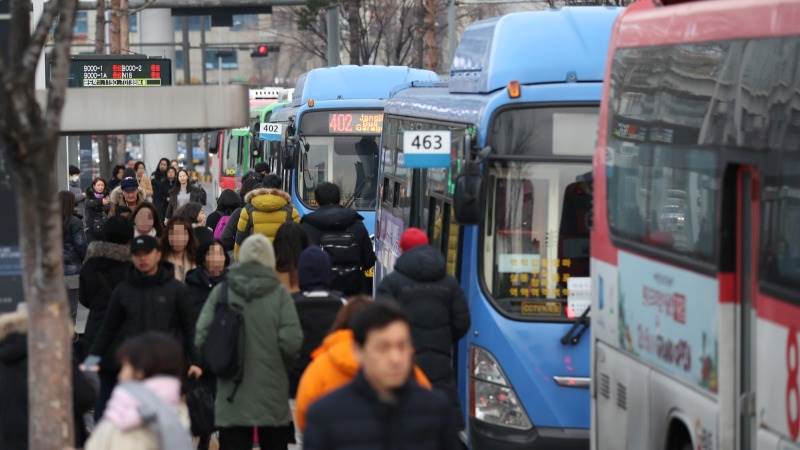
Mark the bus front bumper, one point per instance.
(484, 436)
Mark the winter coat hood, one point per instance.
(123, 408)
(165, 274)
(338, 347)
(332, 217)
(228, 201)
(423, 263)
(116, 252)
(13, 345)
(252, 280)
(267, 199)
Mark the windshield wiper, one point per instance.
(578, 329)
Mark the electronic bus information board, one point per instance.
(122, 72)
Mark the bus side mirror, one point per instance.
(468, 194)
(213, 144)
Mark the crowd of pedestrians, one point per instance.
(234, 328)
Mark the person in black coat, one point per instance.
(150, 298)
(317, 306)
(334, 218)
(14, 386)
(97, 206)
(212, 262)
(227, 203)
(435, 303)
(106, 266)
(74, 239)
(162, 187)
(184, 187)
(382, 408)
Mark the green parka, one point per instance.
(273, 337)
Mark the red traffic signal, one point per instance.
(260, 51)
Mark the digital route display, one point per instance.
(122, 72)
(349, 123)
(353, 122)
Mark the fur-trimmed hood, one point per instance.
(13, 322)
(267, 191)
(268, 199)
(116, 252)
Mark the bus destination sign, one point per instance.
(355, 123)
(140, 72)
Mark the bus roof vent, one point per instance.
(533, 47)
(266, 93)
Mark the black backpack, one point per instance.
(223, 351)
(345, 255)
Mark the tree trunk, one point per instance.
(354, 26)
(49, 331)
(432, 48)
(114, 29)
(100, 49)
(419, 43)
(32, 143)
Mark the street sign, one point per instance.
(426, 149)
(141, 71)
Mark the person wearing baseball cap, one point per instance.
(149, 299)
(126, 194)
(436, 305)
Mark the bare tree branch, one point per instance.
(38, 38)
(56, 95)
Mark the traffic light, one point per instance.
(261, 51)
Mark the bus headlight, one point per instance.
(492, 399)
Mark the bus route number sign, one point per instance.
(426, 149)
(271, 131)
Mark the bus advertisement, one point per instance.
(496, 166)
(695, 264)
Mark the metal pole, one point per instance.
(219, 68)
(451, 30)
(333, 36)
(203, 47)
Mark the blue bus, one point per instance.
(336, 124)
(496, 166)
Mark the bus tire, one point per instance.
(678, 437)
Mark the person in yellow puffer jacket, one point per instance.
(266, 209)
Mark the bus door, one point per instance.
(747, 208)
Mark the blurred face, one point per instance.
(183, 178)
(147, 262)
(99, 187)
(171, 175)
(215, 260)
(140, 169)
(131, 197)
(178, 238)
(175, 163)
(130, 164)
(119, 174)
(128, 373)
(387, 356)
(144, 221)
(201, 217)
(162, 165)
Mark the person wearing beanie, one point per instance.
(272, 340)
(317, 306)
(436, 305)
(262, 169)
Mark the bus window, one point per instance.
(780, 216)
(526, 263)
(348, 161)
(664, 198)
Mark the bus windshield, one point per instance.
(233, 154)
(342, 147)
(536, 226)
